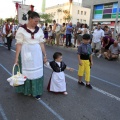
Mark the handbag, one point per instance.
(9, 34)
(18, 79)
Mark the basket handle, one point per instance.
(13, 72)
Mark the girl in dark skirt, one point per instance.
(46, 32)
(57, 83)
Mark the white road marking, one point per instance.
(13, 50)
(100, 79)
(51, 110)
(3, 113)
(41, 101)
(95, 88)
(97, 78)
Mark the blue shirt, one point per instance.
(67, 29)
(84, 49)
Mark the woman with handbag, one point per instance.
(29, 49)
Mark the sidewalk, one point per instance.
(73, 49)
(64, 47)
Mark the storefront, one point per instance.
(105, 11)
(105, 14)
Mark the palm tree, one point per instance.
(67, 15)
(43, 6)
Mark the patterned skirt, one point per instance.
(33, 87)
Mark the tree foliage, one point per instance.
(67, 17)
(12, 20)
(46, 18)
(59, 10)
(1, 21)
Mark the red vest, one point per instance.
(7, 29)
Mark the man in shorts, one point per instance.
(98, 35)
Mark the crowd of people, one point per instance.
(70, 35)
(63, 34)
(7, 33)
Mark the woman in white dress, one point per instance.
(83, 30)
(29, 49)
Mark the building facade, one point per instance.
(78, 13)
(103, 11)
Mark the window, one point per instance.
(60, 20)
(57, 20)
(84, 12)
(81, 20)
(81, 12)
(78, 12)
(77, 20)
(84, 21)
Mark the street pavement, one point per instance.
(100, 103)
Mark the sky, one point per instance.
(7, 7)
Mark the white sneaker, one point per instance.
(99, 55)
(65, 93)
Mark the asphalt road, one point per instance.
(100, 103)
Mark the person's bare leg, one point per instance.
(105, 55)
(63, 40)
(80, 79)
(114, 56)
(75, 42)
(80, 82)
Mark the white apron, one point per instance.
(58, 83)
(32, 62)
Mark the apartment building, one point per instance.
(78, 13)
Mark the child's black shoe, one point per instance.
(81, 83)
(89, 86)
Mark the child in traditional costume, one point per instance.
(57, 81)
(85, 60)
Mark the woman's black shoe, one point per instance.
(38, 97)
